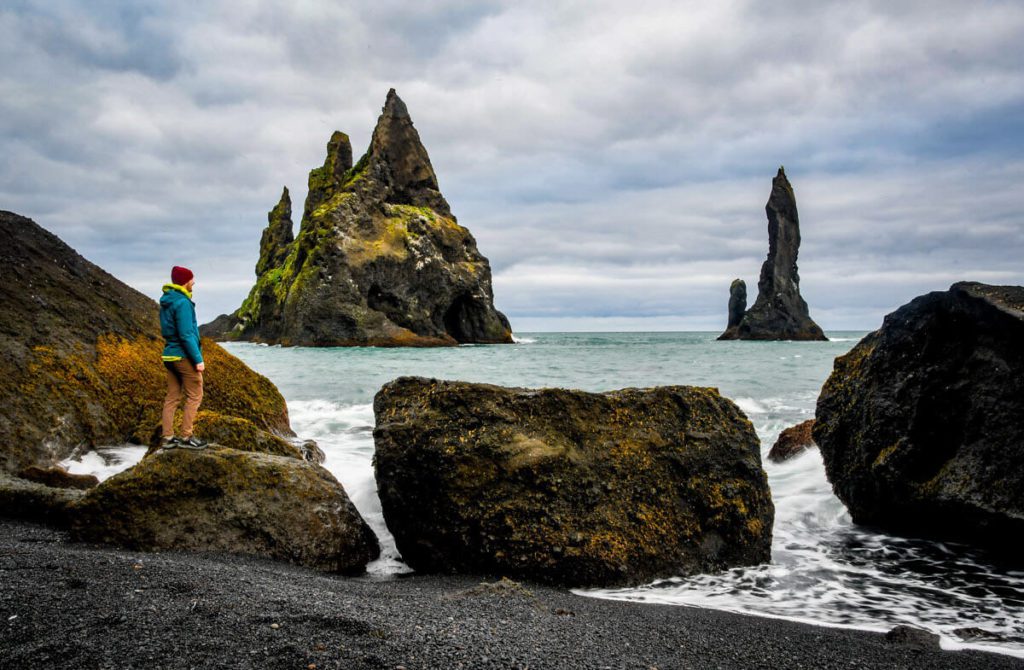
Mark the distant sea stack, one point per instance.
(379, 259)
(779, 313)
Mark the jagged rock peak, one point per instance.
(399, 161)
(326, 179)
(779, 313)
(394, 107)
(377, 260)
(339, 154)
(277, 236)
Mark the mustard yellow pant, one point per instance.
(182, 379)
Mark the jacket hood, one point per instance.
(176, 287)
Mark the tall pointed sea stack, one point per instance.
(779, 313)
(379, 258)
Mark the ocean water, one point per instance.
(824, 570)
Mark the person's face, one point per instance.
(190, 285)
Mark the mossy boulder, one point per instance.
(792, 441)
(921, 425)
(232, 432)
(225, 500)
(569, 487)
(80, 356)
(379, 259)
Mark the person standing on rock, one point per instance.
(183, 359)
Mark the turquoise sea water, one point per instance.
(824, 569)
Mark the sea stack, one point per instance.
(379, 259)
(779, 313)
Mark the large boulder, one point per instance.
(569, 487)
(226, 500)
(80, 357)
(921, 425)
(779, 313)
(379, 258)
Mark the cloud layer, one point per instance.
(613, 162)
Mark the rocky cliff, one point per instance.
(779, 313)
(80, 357)
(379, 258)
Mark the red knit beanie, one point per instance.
(180, 275)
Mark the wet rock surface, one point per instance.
(220, 499)
(921, 425)
(379, 258)
(569, 487)
(80, 606)
(58, 477)
(80, 357)
(792, 441)
(779, 313)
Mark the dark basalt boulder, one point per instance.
(80, 357)
(921, 425)
(379, 258)
(792, 441)
(225, 500)
(779, 313)
(569, 487)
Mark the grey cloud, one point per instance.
(612, 162)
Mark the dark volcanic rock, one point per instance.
(80, 356)
(921, 425)
(379, 258)
(221, 499)
(737, 302)
(779, 313)
(569, 487)
(58, 477)
(277, 236)
(32, 501)
(792, 441)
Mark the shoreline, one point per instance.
(81, 605)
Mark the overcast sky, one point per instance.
(612, 159)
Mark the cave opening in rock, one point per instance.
(464, 319)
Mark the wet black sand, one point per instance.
(66, 605)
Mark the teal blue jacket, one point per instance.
(178, 325)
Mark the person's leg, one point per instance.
(171, 400)
(192, 381)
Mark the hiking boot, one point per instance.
(192, 442)
(169, 442)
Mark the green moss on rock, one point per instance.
(569, 487)
(225, 500)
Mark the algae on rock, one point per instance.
(569, 487)
(80, 357)
(379, 258)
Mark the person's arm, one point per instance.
(188, 334)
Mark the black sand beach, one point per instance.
(80, 606)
